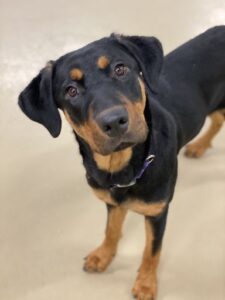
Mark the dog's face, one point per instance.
(101, 90)
(103, 96)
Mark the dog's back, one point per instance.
(200, 59)
(193, 81)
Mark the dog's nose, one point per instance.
(114, 123)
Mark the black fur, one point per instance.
(37, 102)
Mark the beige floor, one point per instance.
(49, 219)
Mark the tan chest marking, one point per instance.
(146, 209)
(114, 162)
(140, 207)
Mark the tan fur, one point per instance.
(145, 286)
(143, 96)
(114, 162)
(76, 74)
(136, 108)
(87, 132)
(198, 147)
(138, 206)
(99, 259)
(136, 112)
(146, 209)
(102, 62)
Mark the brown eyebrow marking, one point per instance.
(76, 74)
(103, 62)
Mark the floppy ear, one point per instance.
(37, 102)
(148, 53)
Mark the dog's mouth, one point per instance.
(114, 146)
(123, 146)
(129, 140)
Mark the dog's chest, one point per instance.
(136, 205)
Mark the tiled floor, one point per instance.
(49, 220)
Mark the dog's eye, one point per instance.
(120, 70)
(72, 91)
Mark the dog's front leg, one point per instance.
(99, 259)
(145, 287)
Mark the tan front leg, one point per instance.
(99, 259)
(145, 287)
(198, 147)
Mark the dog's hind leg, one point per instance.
(99, 259)
(197, 148)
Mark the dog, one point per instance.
(131, 110)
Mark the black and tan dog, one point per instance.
(131, 110)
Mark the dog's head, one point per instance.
(101, 89)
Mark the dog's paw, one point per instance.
(196, 149)
(144, 289)
(98, 260)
